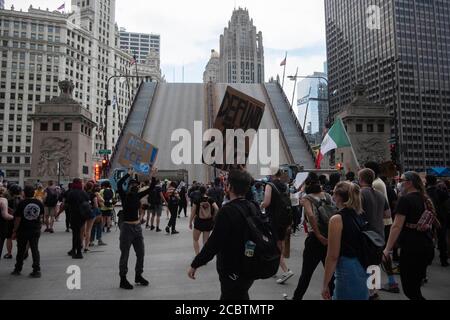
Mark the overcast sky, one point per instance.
(190, 29)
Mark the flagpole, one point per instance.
(284, 71)
(351, 148)
(295, 87)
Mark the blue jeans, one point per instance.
(351, 280)
(96, 232)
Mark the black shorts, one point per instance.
(203, 225)
(9, 229)
(281, 233)
(107, 213)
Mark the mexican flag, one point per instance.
(336, 138)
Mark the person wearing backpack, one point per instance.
(319, 208)
(173, 200)
(107, 207)
(77, 201)
(202, 218)
(50, 202)
(375, 211)
(216, 192)
(231, 244)
(344, 247)
(415, 219)
(277, 205)
(183, 201)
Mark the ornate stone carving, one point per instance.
(65, 97)
(52, 151)
(370, 149)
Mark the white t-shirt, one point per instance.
(295, 199)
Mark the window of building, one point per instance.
(370, 128)
(68, 126)
(44, 126)
(56, 126)
(381, 128)
(359, 127)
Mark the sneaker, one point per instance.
(124, 284)
(70, 253)
(285, 277)
(51, 230)
(167, 230)
(147, 227)
(374, 297)
(152, 228)
(175, 232)
(140, 280)
(158, 230)
(86, 250)
(7, 256)
(391, 288)
(35, 274)
(108, 230)
(15, 273)
(77, 256)
(67, 230)
(47, 230)
(101, 243)
(91, 244)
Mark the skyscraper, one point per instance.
(313, 106)
(140, 44)
(241, 51)
(211, 73)
(2, 4)
(400, 50)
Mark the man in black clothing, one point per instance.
(73, 200)
(228, 242)
(131, 230)
(216, 192)
(27, 229)
(439, 198)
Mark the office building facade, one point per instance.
(400, 49)
(241, 51)
(41, 48)
(211, 73)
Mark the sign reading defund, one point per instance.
(238, 121)
(138, 154)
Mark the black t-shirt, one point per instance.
(74, 198)
(30, 212)
(412, 206)
(275, 201)
(155, 198)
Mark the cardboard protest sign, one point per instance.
(237, 111)
(138, 154)
(300, 179)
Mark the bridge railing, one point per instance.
(296, 121)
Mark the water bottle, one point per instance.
(250, 249)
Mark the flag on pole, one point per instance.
(62, 7)
(336, 138)
(133, 61)
(283, 63)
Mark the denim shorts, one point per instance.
(351, 280)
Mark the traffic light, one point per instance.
(339, 167)
(98, 172)
(105, 167)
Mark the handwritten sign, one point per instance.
(138, 154)
(238, 111)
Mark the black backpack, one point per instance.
(108, 196)
(85, 210)
(324, 210)
(283, 213)
(266, 258)
(51, 199)
(217, 194)
(173, 200)
(372, 246)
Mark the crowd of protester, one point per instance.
(331, 210)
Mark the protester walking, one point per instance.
(228, 242)
(201, 221)
(173, 200)
(344, 247)
(319, 208)
(50, 202)
(415, 238)
(109, 200)
(182, 206)
(80, 209)
(157, 201)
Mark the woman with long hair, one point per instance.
(344, 246)
(93, 200)
(417, 247)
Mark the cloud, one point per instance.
(190, 29)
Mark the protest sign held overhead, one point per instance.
(138, 154)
